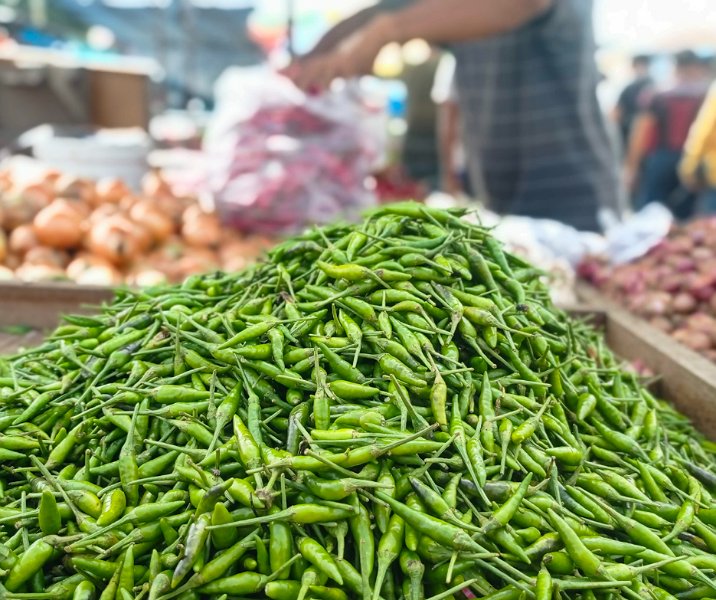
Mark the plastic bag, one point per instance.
(635, 236)
(281, 160)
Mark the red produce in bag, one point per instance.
(281, 160)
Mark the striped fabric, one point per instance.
(534, 132)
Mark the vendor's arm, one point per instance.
(344, 29)
(436, 21)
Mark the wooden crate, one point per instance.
(41, 305)
(36, 308)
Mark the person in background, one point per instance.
(526, 80)
(419, 152)
(453, 175)
(697, 169)
(658, 137)
(633, 96)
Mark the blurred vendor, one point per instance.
(698, 164)
(526, 81)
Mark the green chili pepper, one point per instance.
(85, 590)
(583, 558)
(360, 526)
(30, 562)
(389, 548)
(317, 555)
(48, 516)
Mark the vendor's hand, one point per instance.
(353, 56)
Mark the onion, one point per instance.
(6, 274)
(146, 214)
(22, 239)
(103, 212)
(143, 236)
(154, 185)
(144, 275)
(36, 195)
(59, 225)
(707, 266)
(85, 261)
(685, 265)
(33, 273)
(117, 239)
(656, 304)
(231, 249)
(42, 255)
(50, 177)
(203, 231)
(197, 260)
(671, 283)
(699, 236)
(702, 286)
(172, 249)
(68, 186)
(111, 189)
(192, 213)
(683, 303)
(128, 202)
(262, 242)
(704, 323)
(679, 244)
(679, 262)
(168, 266)
(105, 276)
(173, 208)
(13, 261)
(20, 205)
(234, 264)
(696, 340)
(702, 253)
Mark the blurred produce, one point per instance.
(280, 160)
(57, 227)
(673, 286)
(394, 184)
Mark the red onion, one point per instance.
(683, 303)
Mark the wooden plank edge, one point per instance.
(687, 379)
(42, 305)
(51, 291)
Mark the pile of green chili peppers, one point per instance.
(393, 410)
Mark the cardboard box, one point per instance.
(41, 85)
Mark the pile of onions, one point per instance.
(673, 286)
(102, 233)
